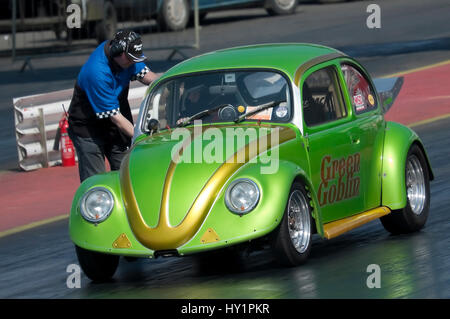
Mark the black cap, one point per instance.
(132, 44)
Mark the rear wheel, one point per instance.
(417, 180)
(292, 239)
(279, 7)
(97, 266)
(174, 15)
(107, 27)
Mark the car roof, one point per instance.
(287, 57)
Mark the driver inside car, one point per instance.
(193, 100)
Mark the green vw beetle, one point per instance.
(259, 144)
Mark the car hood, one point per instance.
(169, 181)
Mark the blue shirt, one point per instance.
(102, 86)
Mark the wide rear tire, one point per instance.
(414, 216)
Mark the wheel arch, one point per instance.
(398, 140)
(419, 143)
(290, 173)
(301, 177)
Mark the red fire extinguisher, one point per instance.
(65, 143)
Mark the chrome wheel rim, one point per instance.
(285, 4)
(415, 185)
(299, 223)
(177, 11)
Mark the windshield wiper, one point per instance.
(201, 114)
(260, 108)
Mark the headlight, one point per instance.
(96, 204)
(242, 196)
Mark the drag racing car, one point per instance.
(266, 143)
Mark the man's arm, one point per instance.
(123, 124)
(118, 119)
(149, 77)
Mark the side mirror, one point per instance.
(152, 126)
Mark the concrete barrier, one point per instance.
(36, 123)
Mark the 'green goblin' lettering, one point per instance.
(337, 179)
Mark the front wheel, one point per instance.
(292, 240)
(417, 180)
(97, 266)
(280, 7)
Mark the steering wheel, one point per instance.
(228, 113)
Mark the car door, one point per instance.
(207, 4)
(232, 2)
(368, 120)
(332, 143)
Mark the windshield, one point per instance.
(227, 95)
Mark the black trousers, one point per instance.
(92, 152)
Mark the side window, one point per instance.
(361, 93)
(322, 99)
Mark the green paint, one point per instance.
(344, 178)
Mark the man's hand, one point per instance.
(181, 120)
(123, 124)
(150, 77)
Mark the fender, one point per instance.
(102, 236)
(293, 172)
(316, 212)
(263, 220)
(397, 142)
(296, 173)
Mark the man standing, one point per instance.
(100, 120)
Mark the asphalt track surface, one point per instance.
(34, 262)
